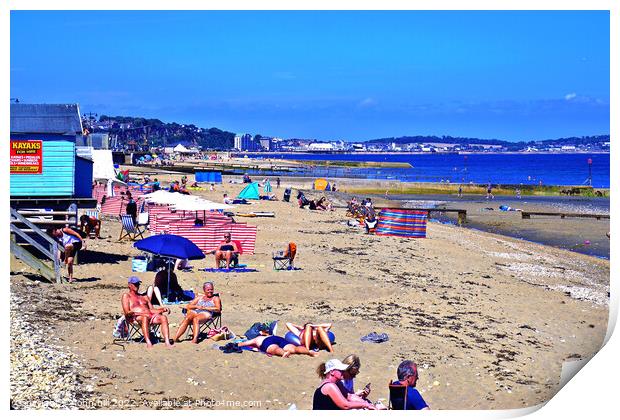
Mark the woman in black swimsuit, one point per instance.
(225, 251)
(331, 394)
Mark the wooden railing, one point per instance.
(49, 249)
(528, 214)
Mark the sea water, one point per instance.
(481, 168)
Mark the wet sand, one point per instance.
(489, 319)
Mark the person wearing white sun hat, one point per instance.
(331, 395)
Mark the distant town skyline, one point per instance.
(351, 75)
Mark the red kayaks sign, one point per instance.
(26, 156)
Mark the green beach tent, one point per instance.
(250, 192)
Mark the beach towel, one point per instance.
(189, 296)
(402, 222)
(230, 270)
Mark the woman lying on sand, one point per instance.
(275, 346)
(199, 311)
(312, 336)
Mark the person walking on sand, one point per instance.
(139, 308)
(278, 182)
(518, 193)
(460, 194)
(489, 192)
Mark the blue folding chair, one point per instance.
(131, 230)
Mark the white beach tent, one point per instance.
(201, 205)
(183, 202)
(165, 197)
(179, 148)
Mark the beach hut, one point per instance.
(250, 192)
(402, 222)
(320, 184)
(211, 177)
(43, 152)
(46, 177)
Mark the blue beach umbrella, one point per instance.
(170, 246)
(267, 187)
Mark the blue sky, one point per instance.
(348, 75)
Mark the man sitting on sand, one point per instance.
(407, 373)
(167, 276)
(275, 346)
(89, 223)
(138, 308)
(226, 250)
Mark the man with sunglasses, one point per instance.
(407, 373)
(226, 251)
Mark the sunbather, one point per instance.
(323, 204)
(89, 223)
(161, 281)
(226, 250)
(312, 336)
(199, 311)
(139, 308)
(275, 346)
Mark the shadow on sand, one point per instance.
(89, 256)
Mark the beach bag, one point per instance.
(217, 334)
(139, 265)
(120, 329)
(257, 327)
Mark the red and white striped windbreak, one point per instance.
(207, 237)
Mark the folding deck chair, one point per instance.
(284, 260)
(131, 231)
(214, 322)
(398, 396)
(234, 261)
(133, 332)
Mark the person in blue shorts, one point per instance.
(407, 373)
(275, 346)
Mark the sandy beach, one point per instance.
(488, 318)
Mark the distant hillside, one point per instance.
(572, 141)
(158, 133)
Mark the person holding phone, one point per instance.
(353, 362)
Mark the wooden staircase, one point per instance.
(32, 236)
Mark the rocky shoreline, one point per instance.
(43, 375)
